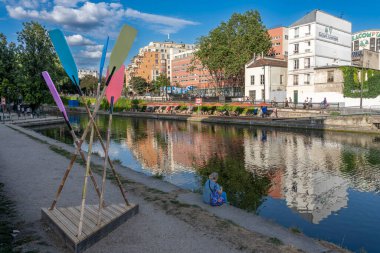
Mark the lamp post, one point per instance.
(264, 82)
(362, 82)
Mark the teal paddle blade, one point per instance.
(104, 53)
(122, 47)
(64, 54)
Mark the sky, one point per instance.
(86, 24)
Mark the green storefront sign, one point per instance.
(366, 35)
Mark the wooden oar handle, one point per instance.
(111, 105)
(110, 76)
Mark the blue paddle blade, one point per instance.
(104, 53)
(64, 54)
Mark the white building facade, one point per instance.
(316, 40)
(86, 72)
(265, 79)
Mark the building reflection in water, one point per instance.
(311, 171)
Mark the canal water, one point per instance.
(325, 184)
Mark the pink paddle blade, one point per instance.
(55, 94)
(116, 85)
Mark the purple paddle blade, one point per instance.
(55, 94)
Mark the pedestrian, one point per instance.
(286, 102)
(213, 193)
(310, 103)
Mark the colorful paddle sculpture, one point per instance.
(118, 55)
(113, 93)
(64, 53)
(61, 107)
(102, 60)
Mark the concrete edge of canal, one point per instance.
(237, 216)
(361, 123)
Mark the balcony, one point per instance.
(307, 34)
(307, 66)
(307, 50)
(306, 82)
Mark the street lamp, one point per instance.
(362, 82)
(264, 83)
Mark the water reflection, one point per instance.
(312, 173)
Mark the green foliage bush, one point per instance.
(371, 87)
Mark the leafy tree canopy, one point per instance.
(227, 48)
(36, 54)
(139, 84)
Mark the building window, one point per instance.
(330, 76)
(307, 79)
(296, 32)
(262, 79)
(295, 80)
(356, 45)
(308, 30)
(296, 48)
(252, 94)
(307, 63)
(286, 37)
(296, 64)
(263, 94)
(377, 45)
(372, 44)
(281, 79)
(252, 80)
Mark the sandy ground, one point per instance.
(31, 171)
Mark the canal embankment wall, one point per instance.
(361, 123)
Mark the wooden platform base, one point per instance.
(64, 221)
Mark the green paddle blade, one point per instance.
(122, 46)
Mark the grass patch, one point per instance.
(295, 230)
(275, 241)
(153, 190)
(158, 176)
(334, 113)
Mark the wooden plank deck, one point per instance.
(64, 221)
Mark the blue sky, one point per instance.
(87, 23)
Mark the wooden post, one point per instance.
(84, 191)
(105, 163)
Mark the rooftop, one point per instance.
(266, 61)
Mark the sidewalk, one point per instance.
(170, 219)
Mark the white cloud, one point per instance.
(78, 40)
(68, 3)
(88, 17)
(164, 24)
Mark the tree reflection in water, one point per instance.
(244, 189)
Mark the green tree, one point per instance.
(89, 84)
(139, 84)
(9, 88)
(227, 48)
(36, 55)
(161, 81)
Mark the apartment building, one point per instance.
(316, 40)
(86, 72)
(154, 59)
(187, 71)
(279, 39)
